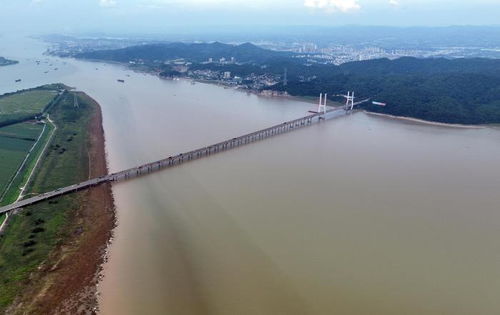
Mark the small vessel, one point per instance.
(121, 81)
(18, 80)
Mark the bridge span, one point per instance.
(182, 158)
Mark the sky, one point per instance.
(150, 16)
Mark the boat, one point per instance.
(18, 80)
(121, 81)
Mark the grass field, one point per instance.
(24, 104)
(18, 141)
(22, 131)
(15, 143)
(33, 234)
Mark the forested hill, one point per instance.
(193, 52)
(408, 65)
(452, 91)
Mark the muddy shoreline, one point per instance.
(75, 288)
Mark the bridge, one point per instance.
(322, 114)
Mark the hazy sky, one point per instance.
(169, 15)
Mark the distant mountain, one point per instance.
(352, 35)
(193, 52)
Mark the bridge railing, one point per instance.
(175, 160)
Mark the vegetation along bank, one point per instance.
(51, 253)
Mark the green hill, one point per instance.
(193, 52)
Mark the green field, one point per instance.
(22, 131)
(16, 141)
(34, 233)
(24, 104)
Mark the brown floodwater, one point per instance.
(357, 215)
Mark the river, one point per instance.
(358, 215)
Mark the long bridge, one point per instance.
(172, 161)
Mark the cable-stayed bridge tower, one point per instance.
(322, 103)
(349, 104)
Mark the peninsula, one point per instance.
(51, 253)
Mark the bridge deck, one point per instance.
(180, 158)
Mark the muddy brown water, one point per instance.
(358, 215)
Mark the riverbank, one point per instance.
(426, 122)
(55, 249)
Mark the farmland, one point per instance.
(24, 105)
(19, 145)
(18, 152)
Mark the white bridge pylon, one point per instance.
(349, 104)
(322, 103)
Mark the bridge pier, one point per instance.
(176, 160)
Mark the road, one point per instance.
(182, 158)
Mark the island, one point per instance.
(7, 62)
(50, 253)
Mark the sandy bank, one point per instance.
(427, 122)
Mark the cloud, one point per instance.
(334, 5)
(394, 2)
(107, 3)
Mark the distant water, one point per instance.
(360, 215)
